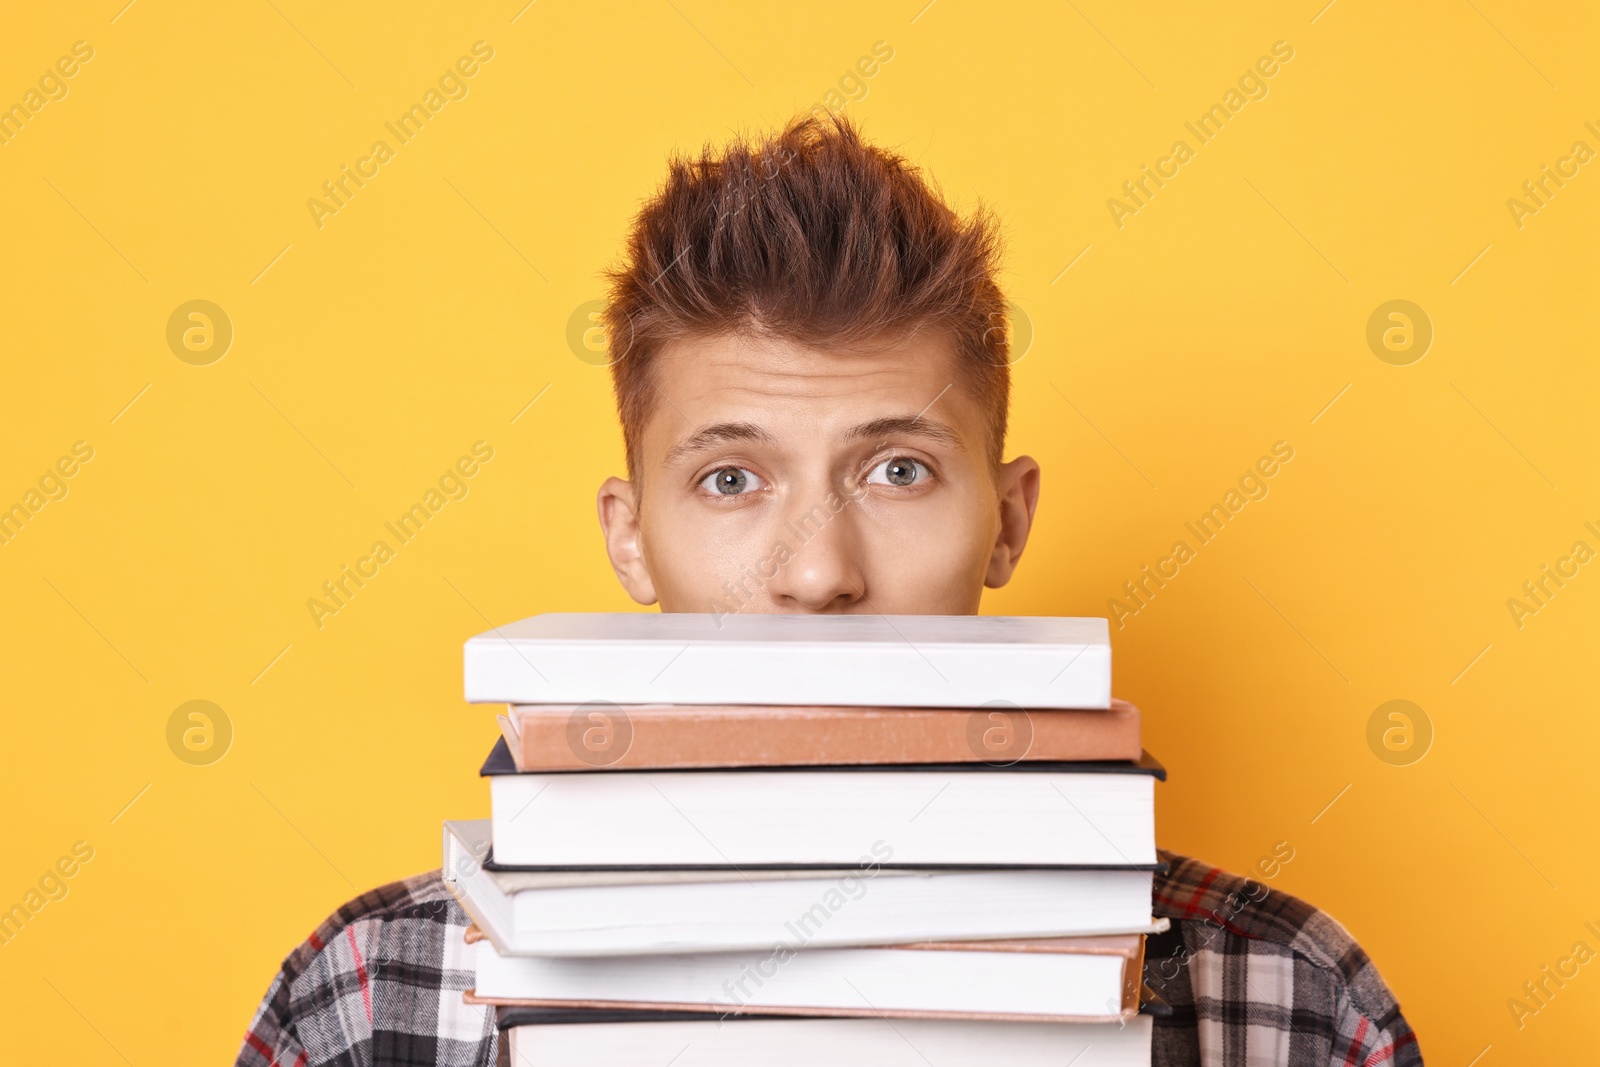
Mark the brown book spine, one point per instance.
(603, 736)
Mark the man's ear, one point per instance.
(618, 505)
(1019, 497)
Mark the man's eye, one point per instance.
(901, 470)
(731, 481)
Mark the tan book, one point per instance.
(603, 736)
(1061, 979)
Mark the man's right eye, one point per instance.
(731, 481)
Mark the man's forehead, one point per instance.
(729, 388)
(776, 365)
(922, 427)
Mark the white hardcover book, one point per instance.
(636, 913)
(930, 661)
(807, 1042)
(967, 815)
(1066, 979)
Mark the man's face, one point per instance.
(780, 478)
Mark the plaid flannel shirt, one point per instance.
(1253, 976)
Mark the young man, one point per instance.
(811, 372)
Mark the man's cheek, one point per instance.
(919, 558)
(701, 560)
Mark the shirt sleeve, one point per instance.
(1366, 1038)
(379, 982)
(1254, 975)
(270, 1041)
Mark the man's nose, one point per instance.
(825, 570)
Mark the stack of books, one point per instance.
(787, 839)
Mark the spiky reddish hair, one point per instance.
(812, 236)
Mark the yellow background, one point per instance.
(424, 316)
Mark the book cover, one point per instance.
(964, 661)
(1029, 814)
(809, 983)
(607, 1039)
(601, 736)
(665, 912)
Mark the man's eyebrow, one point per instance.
(905, 426)
(720, 433)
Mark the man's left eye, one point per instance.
(902, 470)
(732, 481)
